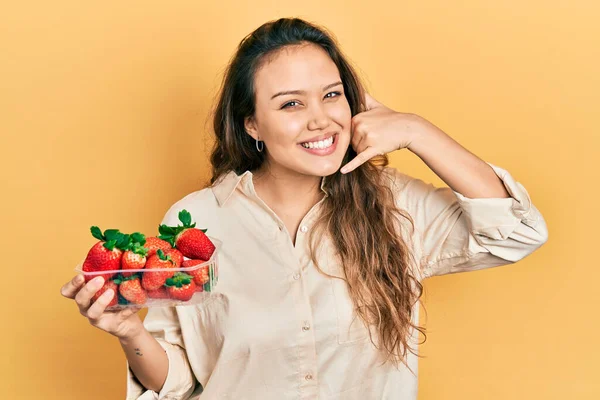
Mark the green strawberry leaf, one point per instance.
(203, 230)
(111, 234)
(185, 217)
(170, 282)
(97, 233)
(123, 241)
(131, 278)
(168, 238)
(138, 237)
(161, 254)
(110, 245)
(139, 249)
(167, 230)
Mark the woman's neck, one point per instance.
(287, 191)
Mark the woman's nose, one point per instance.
(318, 119)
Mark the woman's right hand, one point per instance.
(124, 324)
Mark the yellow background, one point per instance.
(103, 112)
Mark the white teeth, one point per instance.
(321, 144)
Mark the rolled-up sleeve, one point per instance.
(462, 234)
(163, 324)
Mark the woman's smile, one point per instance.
(322, 147)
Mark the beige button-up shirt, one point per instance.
(276, 328)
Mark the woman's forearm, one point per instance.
(147, 359)
(460, 169)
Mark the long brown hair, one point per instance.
(360, 213)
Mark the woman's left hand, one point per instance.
(381, 130)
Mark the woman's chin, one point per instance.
(323, 170)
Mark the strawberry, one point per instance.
(154, 280)
(176, 256)
(199, 274)
(181, 287)
(106, 254)
(135, 256)
(154, 243)
(107, 285)
(160, 293)
(188, 239)
(131, 289)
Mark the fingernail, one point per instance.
(98, 281)
(109, 294)
(79, 279)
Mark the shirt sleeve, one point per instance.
(461, 234)
(163, 324)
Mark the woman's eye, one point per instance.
(289, 104)
(334, 93)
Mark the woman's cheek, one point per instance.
(342, 115)
(289, 129)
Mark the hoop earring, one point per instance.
(261, 147)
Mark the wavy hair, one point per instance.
(360, 214)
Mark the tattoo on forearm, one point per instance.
(138, 352)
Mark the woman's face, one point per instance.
(302, 114)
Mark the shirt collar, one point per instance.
(224, 187)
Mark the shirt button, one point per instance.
(281, 227)
(308, 377)
(304, 229)
(296, 276)
(306, 326)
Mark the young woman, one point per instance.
(321, 267)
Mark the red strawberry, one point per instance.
(106, 254)
(181, 287)
(135, 256)
(160, 293)
(132, 290)
(176, 256)
(107, 285)
(154, 280)
(132, 260)
(154, 243)
(199, 274)
(191, 241)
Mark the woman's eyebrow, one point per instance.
(304, 92)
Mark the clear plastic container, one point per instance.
(201, 294)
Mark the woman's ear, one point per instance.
(250, 126)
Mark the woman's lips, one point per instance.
(322, 152)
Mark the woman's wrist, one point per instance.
(132, 334)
